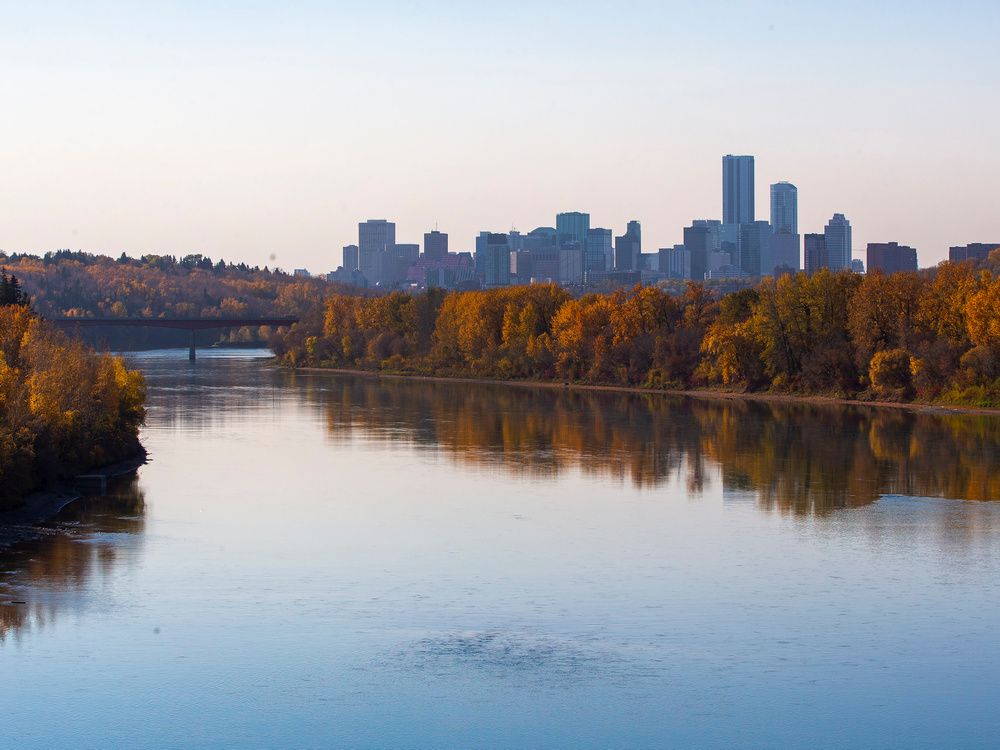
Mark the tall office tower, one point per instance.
(374, 237)
(493, 259)
(574, 225)
(435, 245)
(755, 248)
(815, 251)
(395, 261)
(570, 254)
(784, 230)
(598, 253)
(350, 258)
(715, 231)
(737, 189)
(784, 208)
(698, 241)
(891, 257)
(729, 242)
(675, 262)
(628, 248)
(723, 244)
(543, 251)
(838, 243)
(784, 255)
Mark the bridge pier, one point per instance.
(192, 325)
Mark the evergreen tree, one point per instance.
(11, 292)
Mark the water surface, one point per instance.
(313, 560)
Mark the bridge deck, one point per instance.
(183, 324)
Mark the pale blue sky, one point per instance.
(245, 129)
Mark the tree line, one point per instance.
(77, 284)
(930, 335)
(64, 409)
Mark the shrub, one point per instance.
(891, 374)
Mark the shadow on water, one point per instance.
(799, 458)
(85, 542)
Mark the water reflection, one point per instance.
(339, 561)
(796, 458)
(84, 543)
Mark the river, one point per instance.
(317, 560)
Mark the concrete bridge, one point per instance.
(182, 324)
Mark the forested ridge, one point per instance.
(77, 284)
(932, 335)
(64, 409)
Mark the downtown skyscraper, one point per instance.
(737, 189)
(375, 236)
(573, 225)
(784, 250)
(784, 208)
(838, 243)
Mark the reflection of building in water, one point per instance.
(794, 457)
(42, 578)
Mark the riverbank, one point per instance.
(921, 407)
(24, 523)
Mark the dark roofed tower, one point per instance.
(737, 189)
(435, 245)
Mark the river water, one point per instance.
(313, 560)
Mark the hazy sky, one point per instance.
(242, 129)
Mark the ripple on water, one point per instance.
(506, 653)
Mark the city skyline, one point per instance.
(571, 252)
(180, 128)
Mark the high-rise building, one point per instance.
(737, 189)
(598, 251)
(838, 243)
(784, 255)
(374, 236)
(675, 262)
(699, 243)
(393, 263)
(723, 245)
(784, 208)
(891, 257)
(730, 236)
(435, 245)
(815, 252)
(573, 224)
(628, 248)
(979, 251)
(784, 250)
(350, 258)
(755, 248)
(570, 255)
(493, 259)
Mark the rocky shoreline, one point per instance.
(25, 523)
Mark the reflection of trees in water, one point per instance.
(531, 432)
(797, 457)
(50, 574)
(200, 397)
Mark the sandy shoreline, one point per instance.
(699, 393)
(24, 523)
